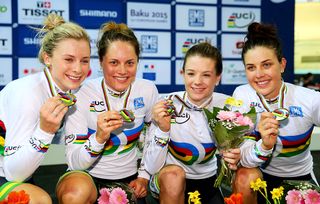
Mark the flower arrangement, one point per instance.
(297, 192)
(194, 197)
(229, 128)
(14, 197)
(117, 193)
(235, 198)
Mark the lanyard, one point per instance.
(107, 102)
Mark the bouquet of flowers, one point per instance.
(229, 128)
(14, 197)
(296, 192)
(117, 193)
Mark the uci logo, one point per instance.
(3, 9)
(97, 106)
(183, 118)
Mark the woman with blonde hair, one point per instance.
(33, 108)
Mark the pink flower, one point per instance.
(118, 196)
(312, 197)
(294, 197)
(105, 195)
(243, 121)
(226, 115)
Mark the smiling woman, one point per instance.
(32, 108)
(104, 147)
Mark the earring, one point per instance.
(48, 65)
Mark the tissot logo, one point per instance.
(98, 13)
(196, 17)
(43, 4)
(41, 12)
(149, 43)
(3, 9)
(240, 20)
(3, 42)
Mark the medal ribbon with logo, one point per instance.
(127, 115)
(280, 113)
(67, 98)
(185, 104)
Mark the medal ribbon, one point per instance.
(52, 87)
(190, 106)
(280, 98)
(107, 102)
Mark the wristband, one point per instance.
(160, 141)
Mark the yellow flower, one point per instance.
(258, 184)
(194, 197)
(277, 193)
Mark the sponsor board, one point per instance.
(179, 78)
(5, 40)
(232, 45)
(190, 17)
(235, 19)
(199, 1)
(154, 44)
(5, 71)
(35, 11)
(184, 41)
(242, 2)
(158, 71)
(28, 43)
(95, 69)
(93, 33)
(149, 15)
(5, 11)
(93, 13)
(233, 73)
(27, 66)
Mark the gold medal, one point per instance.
(127, 115)
(280, 114)
(68, 99)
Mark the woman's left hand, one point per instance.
(140, 187)
(231, 157)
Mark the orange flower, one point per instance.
(234, 199)
(17, 198)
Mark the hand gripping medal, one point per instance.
(127, 115)
(280, 114)
(68, 99)
(171, 108)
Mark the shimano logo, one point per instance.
(98, 13)
(31, 41)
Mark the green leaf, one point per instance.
(220, 133)
(252, 114)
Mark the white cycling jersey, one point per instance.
(291, 156)
(117, 158)
(191, 143)
(25, 142)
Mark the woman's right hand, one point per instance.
(161, 115)
(51, 114)
(269, 129)
(107, 122)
